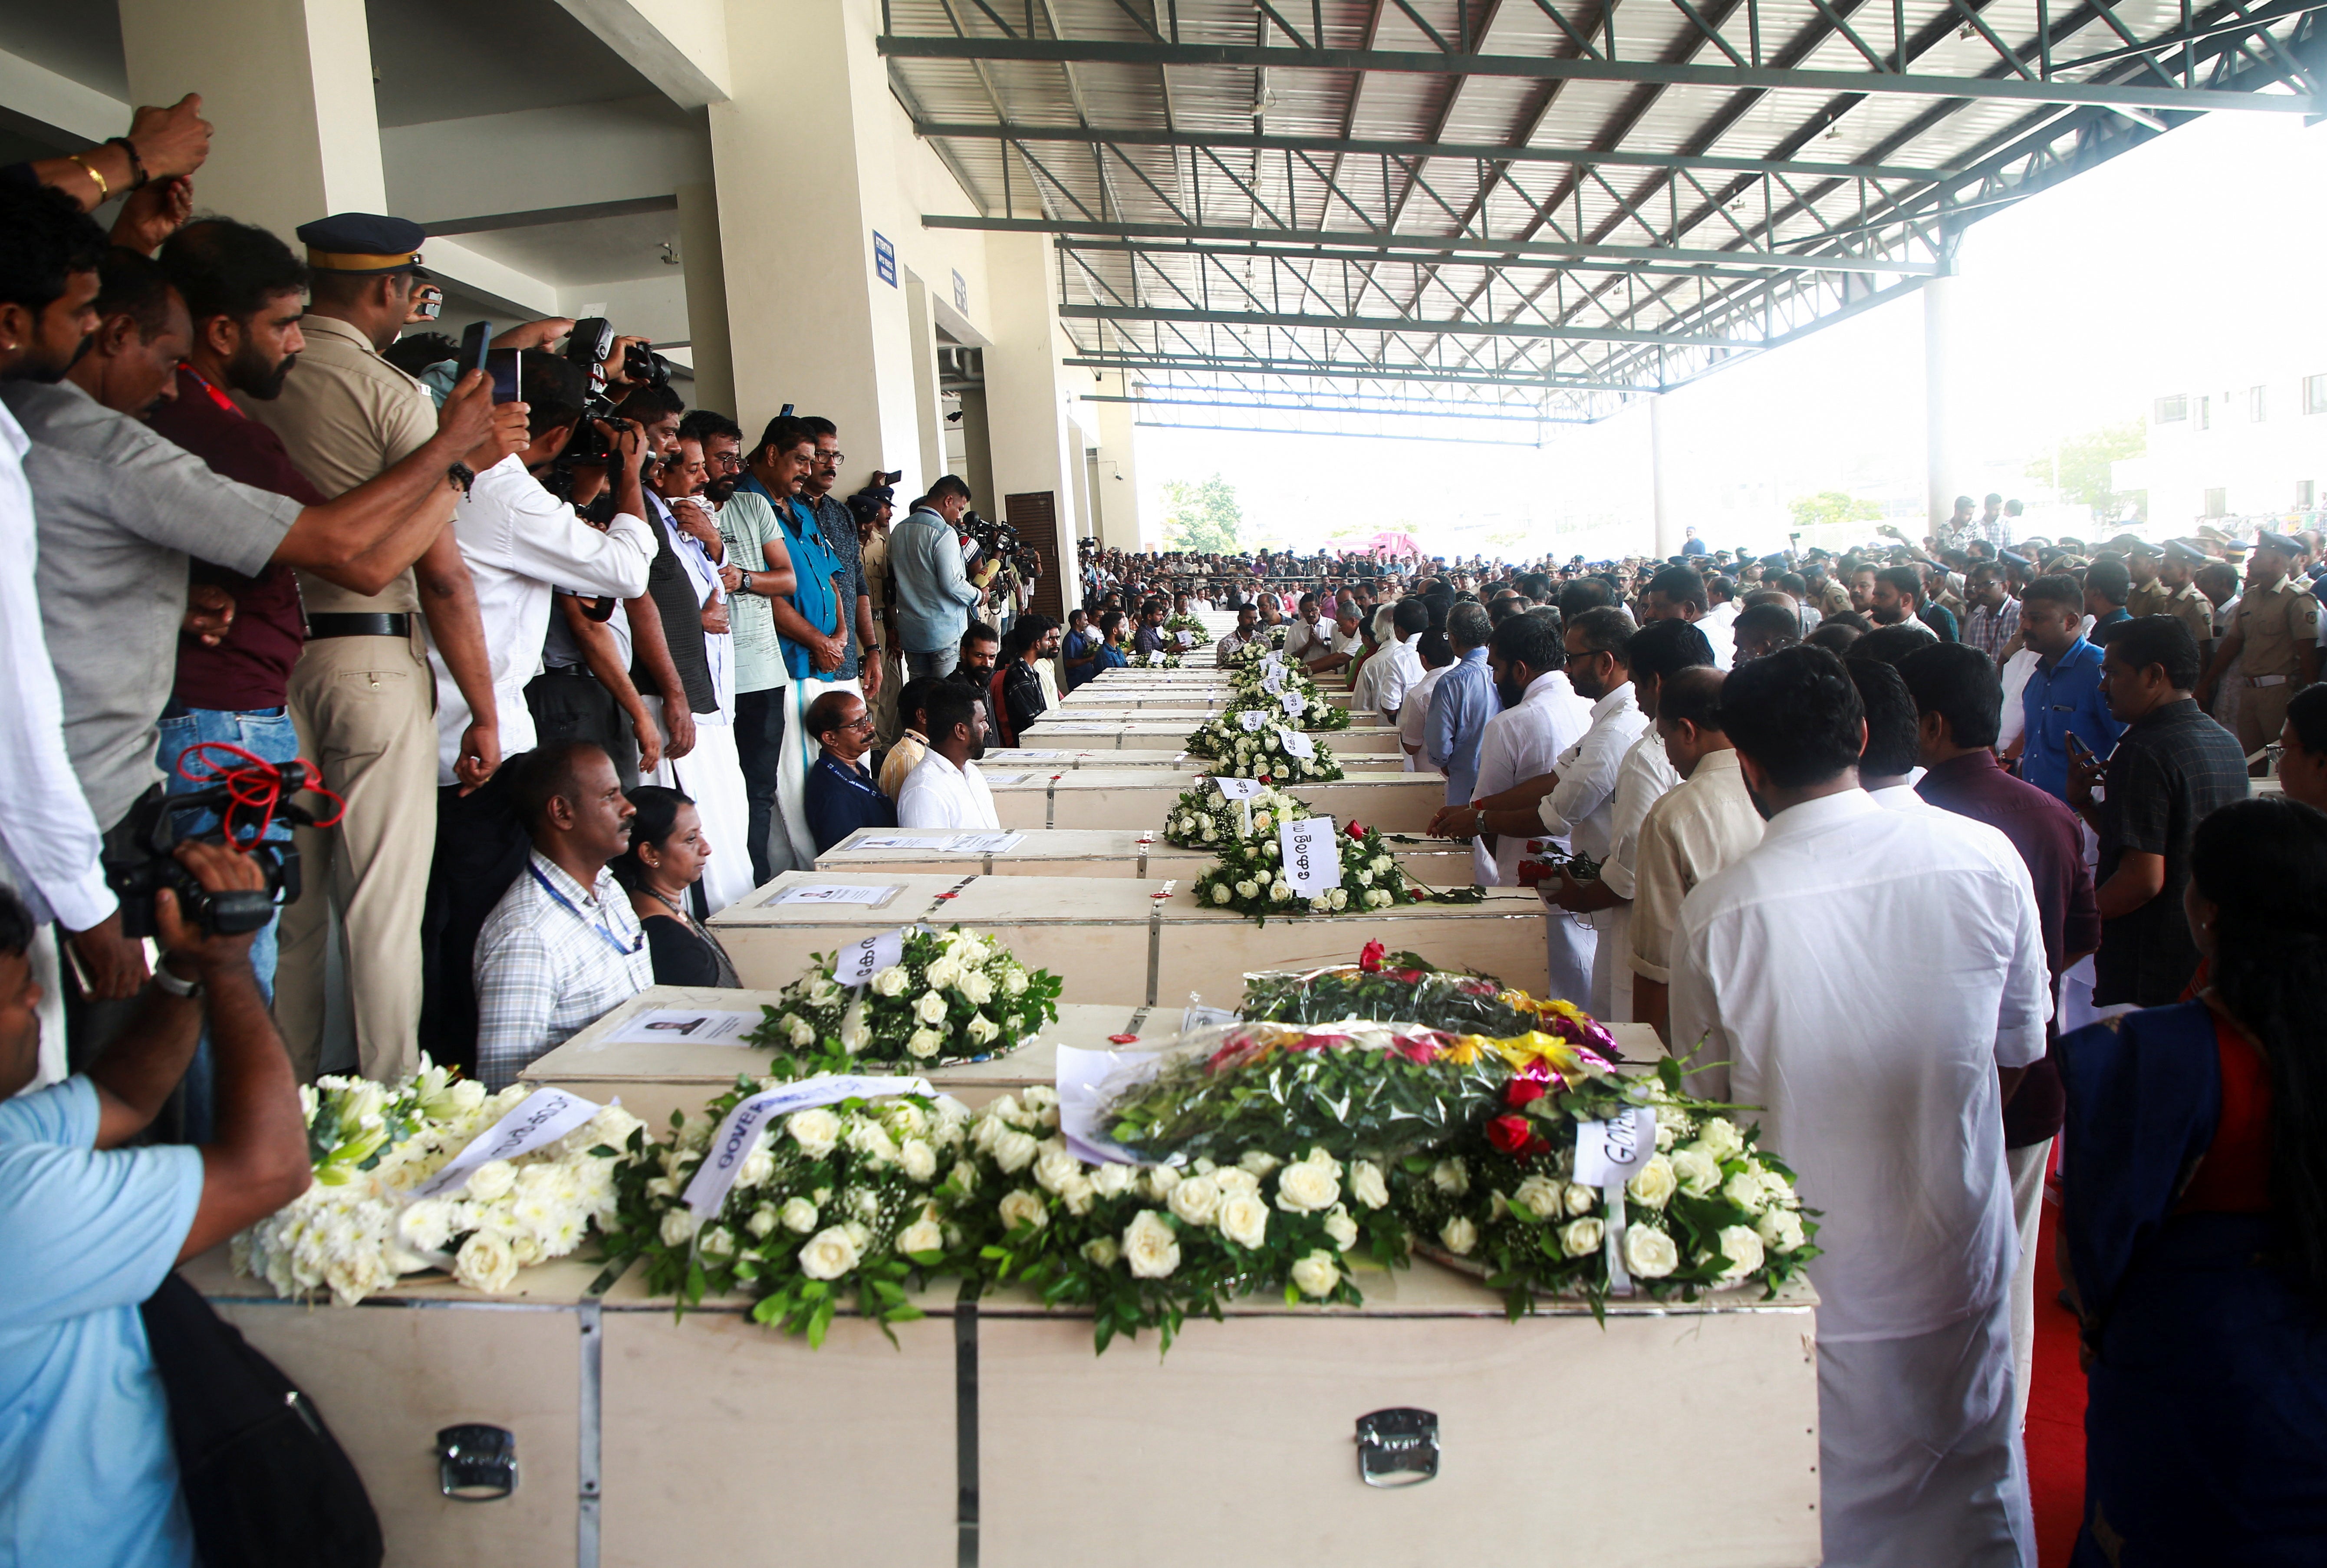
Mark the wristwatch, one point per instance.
(461, 474)
(169, 980)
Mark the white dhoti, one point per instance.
(1571, 943)
(712, 775)
(1919, 1463)
(1611, 938)
(798, 754)
(2027, 1165)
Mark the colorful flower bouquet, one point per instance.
(1265, 749)
(359, 1226)
(833, 1201)
(1250, 877)
(951, 996)
(1404, 988)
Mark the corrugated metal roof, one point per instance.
(1531, 207)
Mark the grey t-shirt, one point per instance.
(116, 510)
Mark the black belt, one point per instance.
(320, 626)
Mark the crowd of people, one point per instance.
(573, 665)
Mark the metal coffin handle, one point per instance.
(1397, 1447)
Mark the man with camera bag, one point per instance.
(91, 1228)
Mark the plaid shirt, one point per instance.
(1988, 631)
(552, 960)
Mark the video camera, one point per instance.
(145, 865)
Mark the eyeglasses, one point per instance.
(834, 458)
(864, 723)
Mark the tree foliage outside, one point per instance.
(1202, 516)
(1833, 507)
(2083, 474)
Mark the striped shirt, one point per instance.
(553, 960)
(1988, 631)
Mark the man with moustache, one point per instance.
(945, 789)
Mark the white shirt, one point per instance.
(521, 544)
(1397, 669)
(1646, 777)
(2017, 671)
(1414, 713)
(49, 839)
(1580, 809)
(1860, 976)
(937, 794)
(1301, 637)
(1525, 742)
(1718, 625)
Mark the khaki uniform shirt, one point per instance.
(2148, 598)
(2191, 608)
(2274, 621)
(346, 416)
(1833, 598)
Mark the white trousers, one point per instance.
(712, 775)
(1919, 1463)
(2027, 1167)
(1572, 943)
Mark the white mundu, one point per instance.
(1893, 1115)
(937, 794)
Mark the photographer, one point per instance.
(91, 1228)
(934, 594)
(521, 542)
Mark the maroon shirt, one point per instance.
(251, 666)
(2052, 840)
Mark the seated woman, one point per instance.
(663, 862)
(2194, 1223)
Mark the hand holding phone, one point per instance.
(476, 342)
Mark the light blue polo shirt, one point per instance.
(87, 1472)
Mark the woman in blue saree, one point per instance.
(2194, 1223)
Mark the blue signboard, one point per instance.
(884, 258)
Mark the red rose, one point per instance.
(1510, 1135)
(1357, 831)
(1522, 1091)
(1370, 959)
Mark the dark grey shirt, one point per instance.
(117, 509)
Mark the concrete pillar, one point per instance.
(928, 406)
(287, 83)
(1666, 504)
(1938, 457)
(705, 269)
(811, 321)
(1037, 449)
(1114, 490)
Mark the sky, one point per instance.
(2071, 309)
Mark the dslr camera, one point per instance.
(143, 865)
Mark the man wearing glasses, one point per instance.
(841, 795)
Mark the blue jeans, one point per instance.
(266, 734)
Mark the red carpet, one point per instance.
(2056, 1417)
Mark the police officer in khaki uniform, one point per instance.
(2148, 595)
(2277, 632)
(362, 694)
(2183, 600)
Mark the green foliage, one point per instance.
(1203, 516)
(1833, 507)
(2083, 474)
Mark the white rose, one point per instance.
(1196, 1201)
(817, 1131)
(931, 1008)
(1013, 1151)
(678, 1227)
(1021, 1206)
(1720, 1138)
(427, 1225)
(802, 1036)
(1014, 982)
(1260, 1162)
(964, 1175)
(1382, 863)
(1451, 1176)
(1150, 1246)
(1114, 1179)
(1222, 892)
(1055, 1167)
(1306, 1189)
(1244, 1219)
(1745, 1189)
(1781, 1230)
(1653, 1183)
(485, 1262)
(1697, 1172)
(490, 1180)
(1581, 1199)
(921, 1236)
(918, 1159)
(982, 1029)
(799, 1216)
(1458, 1236)
(1342, 1229)
(1102, 1251)
(757, 1167)
(830, 1254)
(871, 1140)
(1649, 1253)
(1366, 1186)
(1316, 1274)
(1540, 1197)
(1159, 1181)
(1279, 893)
(824, 993)
(855, 1033)
(1743, 1247)
(1235, 1179)
(718, 1242)
(923, 1043)
(764, 1220)
(891, 981)
(1339, 898)
(946, 971)
(1246, 889)
(975, 987)
(1581, 1237)
(1378, 898)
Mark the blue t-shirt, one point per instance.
(86, 1473)
(2067, 698)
